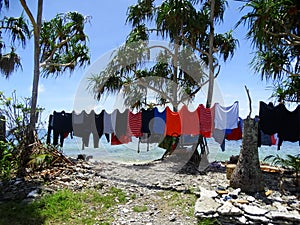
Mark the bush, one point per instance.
(7, 161)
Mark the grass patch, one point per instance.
(64, 207)
(185, 202)
(139, 209)
(208, 221)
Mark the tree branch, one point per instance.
(194, 46)
(58, 64)
(29, 14)
(55, 48)
(163, 47)
(250, 103)
(198, 89)
(144, 84)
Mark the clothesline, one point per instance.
(217, 122)
(121, 126)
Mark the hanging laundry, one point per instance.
(226, 117)
(229, 134)
(84, 124)
(173, 123)
(280, 120)
(236, 133)
(159, 122)
(206, 119)
(134, 124)
(121, 127)
(62, 126)
(99, 127)
(189, 121)
(109, 122)
(289, 124)
(268, 118)
(147, 116)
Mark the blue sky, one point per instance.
(108, 31)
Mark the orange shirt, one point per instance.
(173, 123)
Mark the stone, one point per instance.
(228, 209)
(260, 219)
(125, 210)
(207, 193)
(172, 218)
(275, 215)
(251, 199)
(254, 210)
(242, 220)
(177, 184)
(33, 194)
(205, 205)
(234, 194)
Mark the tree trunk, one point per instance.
(210, 56)
(247, 174)
(36, 73)
(26, 152)
(198, 160)
(2, 128)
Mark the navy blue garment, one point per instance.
(147, 116)
(280, 120)
(99, 127)
(268, 118)
(289, 124)
(62, 126)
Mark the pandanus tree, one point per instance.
(16, 31)
(179, 71)
(273, 28)
(60, 45)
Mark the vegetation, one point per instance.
(290, 162)
(273, 27)
(8, 162)
(16, 32)
(16, 112)
(60, 45)
(64, 207)
(140, 208)
(179, 70)
(185, 203)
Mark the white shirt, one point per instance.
(226, 117)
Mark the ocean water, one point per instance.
(128, 153)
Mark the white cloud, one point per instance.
(41, 88)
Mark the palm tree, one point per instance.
(16, 29)
(59, 46)
(186, 28)
(273, 27)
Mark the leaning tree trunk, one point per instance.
(247, 174)
(30, 136)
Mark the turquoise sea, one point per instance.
(127, 153)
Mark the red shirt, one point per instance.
(206, 116)
(134, 124)
(189, 121)
(173, 123)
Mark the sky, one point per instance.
(107, 30)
